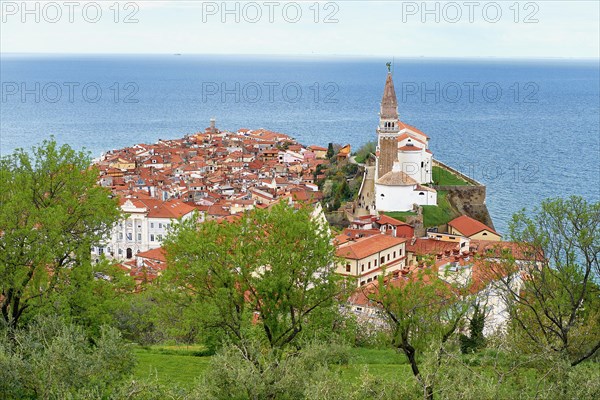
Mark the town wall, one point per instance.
(467, 199)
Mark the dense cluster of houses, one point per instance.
(210, 175)
(469, 256)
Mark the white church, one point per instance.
(404, 161)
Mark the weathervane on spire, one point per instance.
(389, 66)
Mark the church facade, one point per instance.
(404, 162)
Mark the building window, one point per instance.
(400, 253)
(382, 260)
(388, 257)
(129, 237)
(100, 250)
(369, 265)
(362, 267)
(160, 225)
(152, 238)
(375, 262)
(120, 235)
(120, 252)
(394, 254)
(347, 267)
(421, 194)
(139, 237)
(151, 224)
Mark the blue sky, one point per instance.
(507, 29)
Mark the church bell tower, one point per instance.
(388, 129)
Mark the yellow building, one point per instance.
(471, 228)
(367, 258)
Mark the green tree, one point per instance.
(553, 299)
(330, 151)
(424, 312)
(475, 340)
(51, 214)
(262, 275)
(365, 150)
(306, 374)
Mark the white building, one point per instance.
(404, 161)
(398, 191)
(147, 224)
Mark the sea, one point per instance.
(527, 129)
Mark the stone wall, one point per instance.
(467, 199)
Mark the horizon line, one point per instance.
(311, 55)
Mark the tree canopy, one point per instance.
(554, 300)
(262, 274)
(51, 213)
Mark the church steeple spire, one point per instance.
(389, 103)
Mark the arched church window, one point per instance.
(421, 194)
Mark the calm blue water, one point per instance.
(536, 139)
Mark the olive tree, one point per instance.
(553, 296)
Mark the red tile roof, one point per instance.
(469, 226)
(365, 247)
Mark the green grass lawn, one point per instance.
(400, 215)
(443, 177)
(180, 365)
(432, 215)
(175, 366)
(440, 214)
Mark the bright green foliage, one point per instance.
(51, 213)
(557, 307)
(54, 360)
(366, 149)
(260, 276)
(424, 313)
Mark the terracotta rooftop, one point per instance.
(396, 178)
(367, 246)
(469, 226)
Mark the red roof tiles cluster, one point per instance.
(218, 172)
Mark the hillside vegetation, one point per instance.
(253, 308)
